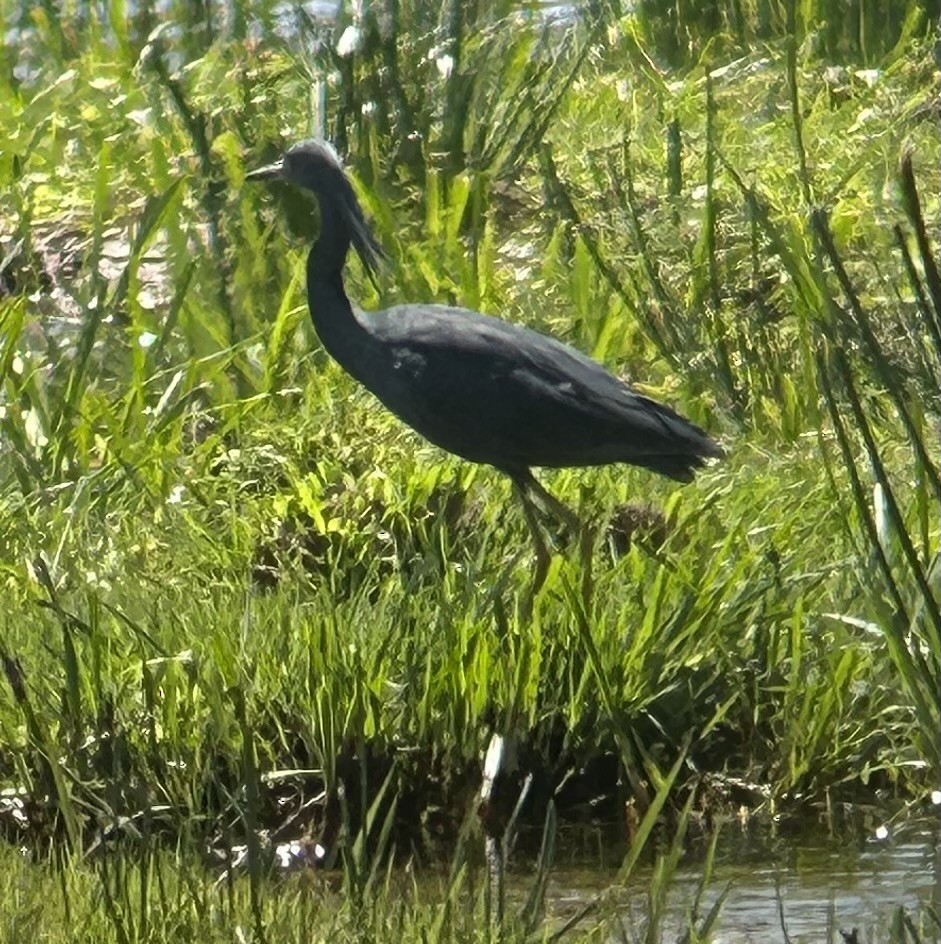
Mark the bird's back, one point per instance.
(501, 394)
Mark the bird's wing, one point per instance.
(550, 369)
(442, 332)
(486, 389)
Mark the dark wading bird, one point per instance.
(486, 390)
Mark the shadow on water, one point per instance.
(821, 884)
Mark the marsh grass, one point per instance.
(242, 605)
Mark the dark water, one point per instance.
(822, 884)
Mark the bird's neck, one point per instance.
(339, 330)
(329, 252)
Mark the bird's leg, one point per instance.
(584, 534)
(542, 551)
(553, 505)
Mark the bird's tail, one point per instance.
(687, 448)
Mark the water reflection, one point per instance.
(825, 884)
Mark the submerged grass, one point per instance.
(243, 607)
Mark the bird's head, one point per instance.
(316, 166)
(312, 164)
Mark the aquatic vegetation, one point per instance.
(243, 607)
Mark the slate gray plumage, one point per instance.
(484, 389)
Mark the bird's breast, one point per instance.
(408, 365)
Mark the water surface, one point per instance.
(821, 883)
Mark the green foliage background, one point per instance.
(231, 581)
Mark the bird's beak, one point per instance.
(271, 172)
